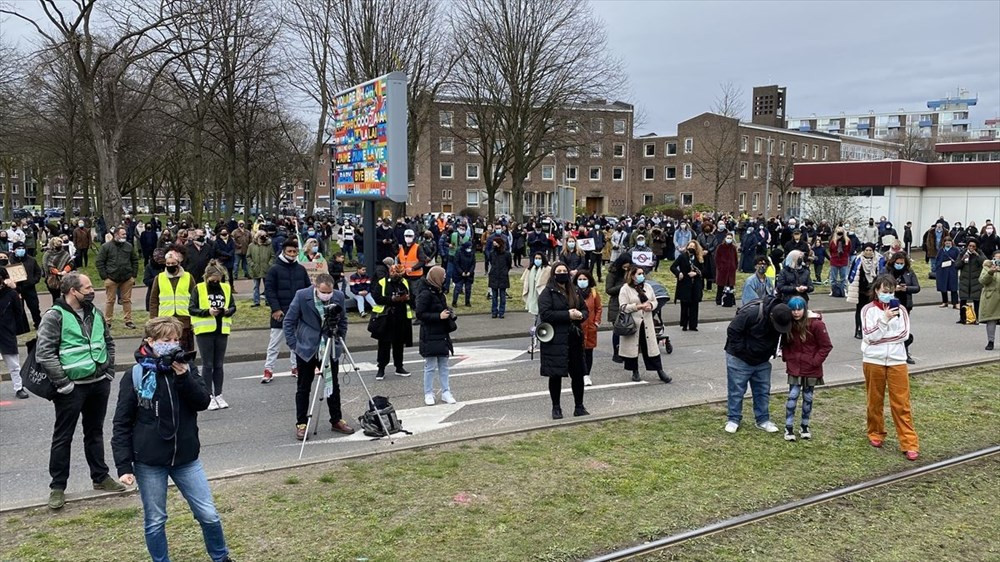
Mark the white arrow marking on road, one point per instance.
(477, 373)
(486, 355)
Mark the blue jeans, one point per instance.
(498, 301)
(348, 249)
(738, 374)
(838, 277)
(439, 364)
(256, 290)
(242, 259)
(449, 276)
(193, 485)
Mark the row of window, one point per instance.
(670, 148)
(446, 145)
(758, 143)
(447, 119)
(757, 170)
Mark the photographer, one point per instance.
(315, 317)
(155, 435)
(437, 322)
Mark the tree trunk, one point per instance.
(85, 206)
(517, 201)
(317, 153)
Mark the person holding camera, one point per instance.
(315, 317)
(437, 322)
(885, 328)
(970, 266)
(212, 309)
(155, 436)
(75, 349)
(795, 278)
(393, 322)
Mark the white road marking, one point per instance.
(477, 373)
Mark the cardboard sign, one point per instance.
(314, 269)
(17, 273)
(888, 239)
(642, 259)
(586, 244)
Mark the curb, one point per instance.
(236, 473)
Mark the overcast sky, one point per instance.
(832, 56)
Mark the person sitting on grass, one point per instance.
(361, 287)
(155, 436)
(804, 350)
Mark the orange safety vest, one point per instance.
(409, 260)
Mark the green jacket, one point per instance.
(989, 304)
(261, 257)
(117, 262)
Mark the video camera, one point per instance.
(164, 362)
(331, 319)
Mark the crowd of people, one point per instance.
(300, 267)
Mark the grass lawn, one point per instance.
(947, 515)
(557, 494)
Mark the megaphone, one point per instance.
(544, 332)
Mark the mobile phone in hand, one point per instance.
(894, 304)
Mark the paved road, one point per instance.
(496, 382)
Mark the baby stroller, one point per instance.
(662, 298)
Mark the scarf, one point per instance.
(869, 265)
(323, 344)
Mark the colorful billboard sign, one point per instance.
(369, 140)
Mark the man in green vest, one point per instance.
(77, 352)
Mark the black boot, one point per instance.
(664, 376)
(857, 333)
(556, 413)
(635, 376)
(580, 411)
(989, 346)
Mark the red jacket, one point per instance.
(725, 265)
(805, 358)
(593, 320)
(838, 258)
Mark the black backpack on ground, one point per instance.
(379, 417)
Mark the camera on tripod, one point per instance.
(331, 319)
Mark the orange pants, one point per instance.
(897, 378)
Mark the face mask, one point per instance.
(286, 259)
(761, 269)
(851, 233)
(162, 348)
(171, 269)
(538, 263)
(571, 245)
(214, 284)
(4, 262)
(498, 230)
(899, 266)
(312, 233)
(19, 252)
(640, 278)
(408, 239)
(947, 246)
(325, 297)
(729, 240)
(989, 231)
(200, 239)
(884, 298)
(80, 224)
(88, 297)
(562, 278)
(583, 283)
(640, 242)
(468, 250)
(461, 231)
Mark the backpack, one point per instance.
(728, 297)
(379, 417)
(837, 292)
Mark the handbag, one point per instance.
(35, 380)
(625, 324)
(969, 314)
(377, 325)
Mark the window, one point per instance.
(472, 147)
(671, 148)
(826, 152)
(815, 151)
(756, 170)
(619, 150)
(617, 173)
(744, 143)
(548, 173)
(572, 152)
(688, 171)
(619, 126)
(647, 198)
(471, 121)
(795, 149)
(770, 146)
(687, 199)
(743, 169)
(756, 201)
(472, 198)
(670, 172)
(595, 173)
(781, 171)
(648, 173)
(743, 200)
(781, 148)
(649, 149)
(595, 150)
(445, 118)
(757, 142)
(447, 145)
(688, 145)
(572, 127)
(472, 171)
(572, 173)
(445, 194)
(597, 125)
(447, 170)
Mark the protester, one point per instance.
(636, 297)
(412, 258)
(57, 263)
(708, 240)
(591, 297)
(395, 330)
(212, 309)
(225, 255)
(934, 240)
(970, 266)
(617, 272)
(81, 241)
(758, 285)
(726, 262)
(751, 340)
(794, 279)
(907, 285)
(260, 256)
(437, 322)
(946, 276)
(818, 254)
(884, 363)
(989, 308)
(303, 331)
(241, 240)
(864, 270)
(26, 289)
(463, 268)
(559, 306)
(15, 323)
(499, 276)
(840, 255)
(75, 349)
(155, 436)
(688, 267)
(284, 279)
(804, 350)
(170, 295)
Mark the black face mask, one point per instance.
(4, 261)
(173, 269)
(562, 278)
(200, 239)
(214, 284)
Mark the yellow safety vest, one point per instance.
(174, 302)
(379, 308)
(205, 325)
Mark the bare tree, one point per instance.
(913, 145)
(524, 65)
(782, 178)
(10, 76)
(717, 160)
(827, 203)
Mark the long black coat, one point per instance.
(15, 321)
(500, 265)
(689, 289)
(563, 354)
(435, 340)
(282, 282)
(400, 327)
(789, 278)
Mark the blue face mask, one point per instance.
(884, 298)
(312, 233)
(19, 252)
(899, 266)
(538, 263)
(583, 283)
(640, 278)
(640, 243)
(162, 348)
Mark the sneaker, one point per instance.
(401, 372)
(21, 393)
(221, 402)
(789, 433)
(875, 443)
(380, 375)
(57, 499)
(364, 315)
(300, 431)
(295, 372)
(805, 434)
(429, 399)
(448, 397)
(268, 375)
(767, 426)
(587, 381)
(341, 427)
(732, 426)
(580, 411)
(557, 413)
(109, 484)
(255, 305)
(912, 455)
(213, 404)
